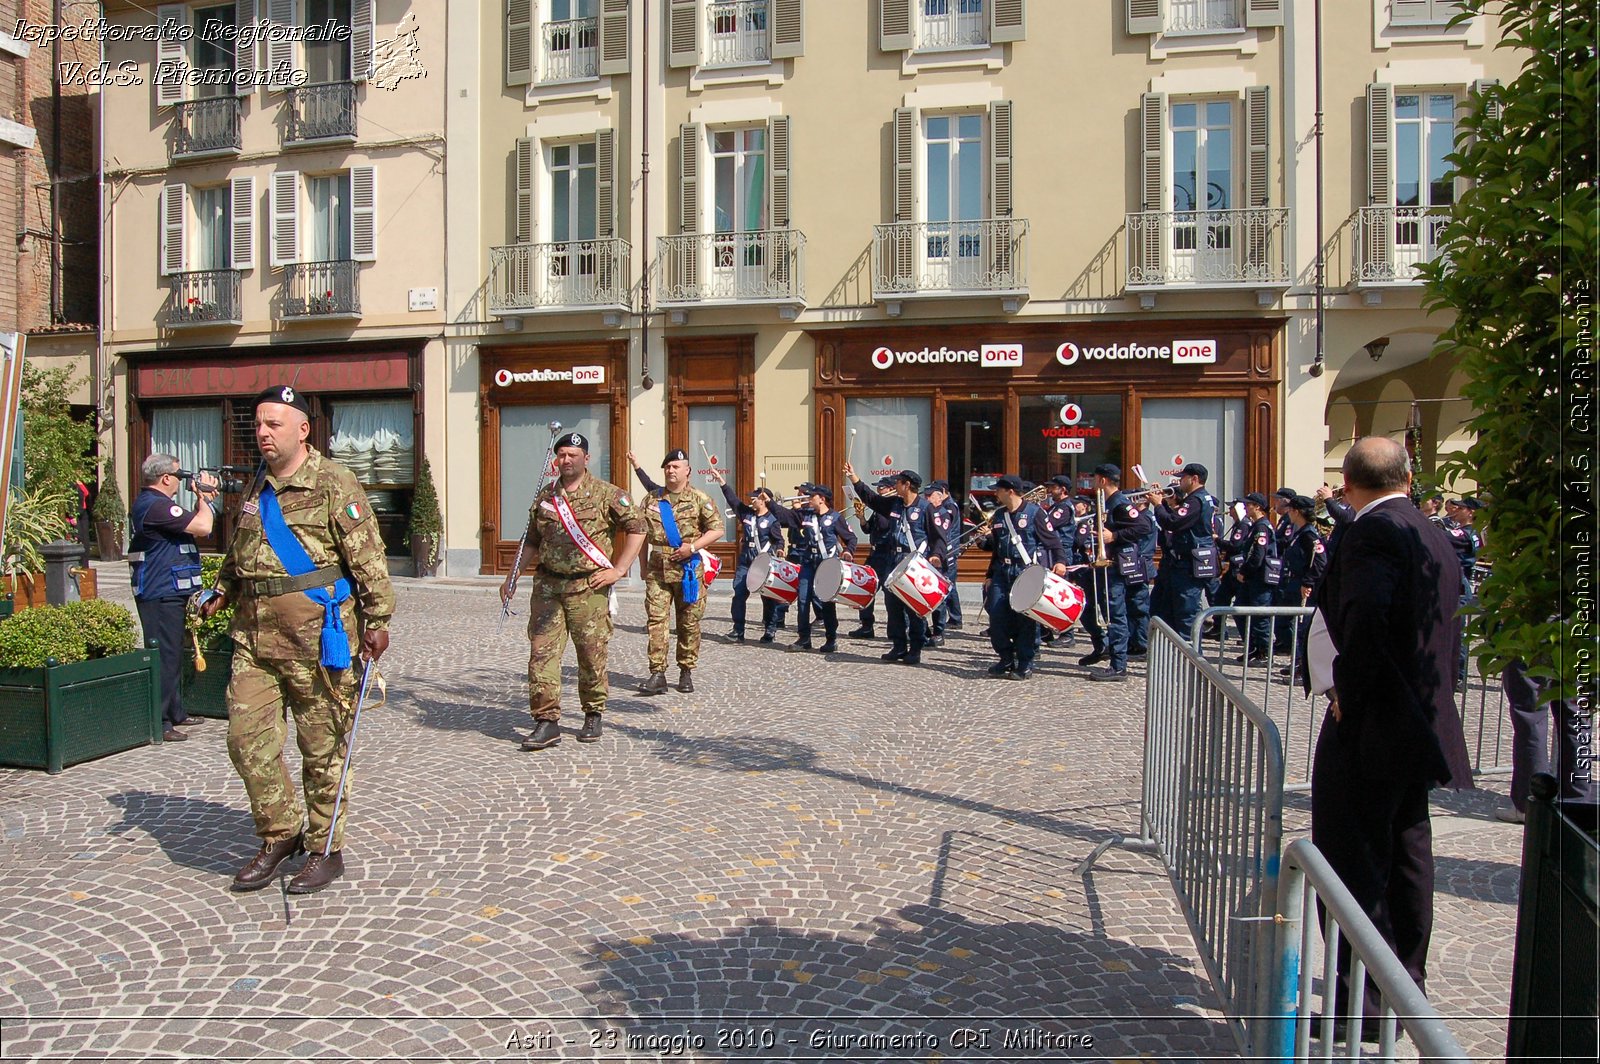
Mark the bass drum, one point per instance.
(854, 585)
(1053, 601)
(773, 578)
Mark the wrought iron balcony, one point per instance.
(1391, 242)
(760, 266)
(736, 33)
(986, 256)
(206, 127)
(953, 28)
(572, 275)
(203, 297)
(1208, 249)
(570, 50)
(318, 290)
(1203, 16)
(320, 113)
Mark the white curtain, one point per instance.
(374, 438)
(192, 435)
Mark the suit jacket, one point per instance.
(1389, 600)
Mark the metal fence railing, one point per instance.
(1268, 674)
(1212, 808)
(1308, 1024)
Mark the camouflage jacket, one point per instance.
(325, 508)
(602, 510)
(696, 515)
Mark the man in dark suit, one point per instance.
(1391, 732)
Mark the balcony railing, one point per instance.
(321, 112)
(960, 24)
(572, 275)
(761, 266)
(1203, 16)
(736, 33)
(1208, 249)
(986, 256)
(322, 290)
(570, 50)
(206, 127)
(1391, 242)
(203, 297)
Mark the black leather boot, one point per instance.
(545, 733)
(686, 681)
(590, 732)
(655, 685)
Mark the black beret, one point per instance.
(821, 489)
(1010, 483)
(574, 439)
(1195, 469)
(286, 394)
(910, 476)
(1061, 480)
(1257, 498)
(676, 455)
(1109, 470)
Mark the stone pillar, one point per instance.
(60, 557)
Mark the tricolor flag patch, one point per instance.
(355, 512)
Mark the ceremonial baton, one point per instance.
(349, 749)
(522, 544)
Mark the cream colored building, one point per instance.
(273, 214)
(962, 236)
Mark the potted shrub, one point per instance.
(110, 520)
(33, 518)
(205, 690)
(75, 686)
(427, 527)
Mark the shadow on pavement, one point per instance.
(192, 832)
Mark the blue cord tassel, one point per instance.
(335, 643)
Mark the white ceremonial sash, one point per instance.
(570, 522)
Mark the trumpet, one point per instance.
(859, 507)
(1034, 494)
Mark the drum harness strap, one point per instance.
(1016, 542)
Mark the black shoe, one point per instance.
(259, 872)
(829, 647)
(686, 681)
(590, 732)
(1137, 653)
(1092, 659)
(893, 655)
(319, 872)
(1025, 673)
(1001, 668)
(173, 735)
(913, 657)
(545, 733)
(1256, 658)
(655, 685)
(953, 624)
(863, 632)
(191, 722)
(1110, 676)
(1047, 636)
(737, 635)
(934, 641)
(803, 644)
(768, 636)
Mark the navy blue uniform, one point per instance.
(758, 534)
(1017, 540)
(1129, 528)
(914, 530)
(1186, 526)
(880, 540)
(1139, 595)
(1261, 546)
(948, 518)
(164, 563)
(1467, 541)
(813, 537)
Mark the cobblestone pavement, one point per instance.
(804, 853)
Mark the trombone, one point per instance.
(1100, 571)
(1033, 494)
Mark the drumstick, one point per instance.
(850, 448)
(709, 463)
(1138, 473)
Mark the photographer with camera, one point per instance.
(165, 565)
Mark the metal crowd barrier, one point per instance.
(1212, 809)
(1274, 684)
(1303, 1032)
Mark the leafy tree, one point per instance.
(55, 446)
(1517, 269)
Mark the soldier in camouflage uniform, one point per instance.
(699, 524)
(570, 581)
(285, 640)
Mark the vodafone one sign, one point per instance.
(989, 356)
(1178, 352)
(504, 378)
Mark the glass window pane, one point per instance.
(1219, 113)
(722, 140)
(938, 181)
(1047, 447)
(891, 435)
(375, 438)
(754, 193)
(970, 126)
(583, 224)
(1182, 115)
(560, 10)
(938, 127)
(1407, 164)
(715, 426)
(1174, 432)
(524, 438)
(1407, 106)
(755, 139)
(1441, 106)
(1185, 175)
(560, 157)
(725, 190)
(561, 206)
(969, 180)
(1219, 169)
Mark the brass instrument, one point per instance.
(1036, 493)
(859, 507)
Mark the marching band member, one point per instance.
(1125, 527)
(1063, 518)
(1189, 554)
(880, 537)
(1255, 577)
(947, 515)
(759, 532)
(1020, 536)
(816, 532)
(914, 530)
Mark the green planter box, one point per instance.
(54, 717)
(205, 693)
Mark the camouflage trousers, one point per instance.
(660, 596)
(561, 606)
(261, 695)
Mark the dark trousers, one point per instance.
(907, 630)
(1014, 636)
(771, 612)
(1255, 592)
(1530, 740)
(949, 611)
(1177, 599)
(883, 566)
(1375, 832)
(807, 602)
(1138, 599)
(162, 621)
(1109, 633)
(1285, 594)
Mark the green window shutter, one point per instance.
(1262, 13)
(788, 28)
(523, 211)
(1000, 143)
(519, 42)
(1146, 16)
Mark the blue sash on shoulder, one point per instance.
(292, 555)
(691, 567)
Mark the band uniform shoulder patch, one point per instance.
(1022, 522)
(1317, 548)
(176, 511)
(1262, 539)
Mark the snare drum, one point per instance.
(854, 585)
(1053, 601)
(918, 584)
(774, 579)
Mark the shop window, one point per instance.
(713, 431)
(975, 446)
(1174, 432)
(192, 435)
(890, 435)
(524, 439)
(376, 440)
(1068, 434)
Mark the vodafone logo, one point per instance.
(504, 378)
(1067, 353)
(883, 358)
(1178, 352)
(1071, 414)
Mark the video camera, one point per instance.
(232, 480)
